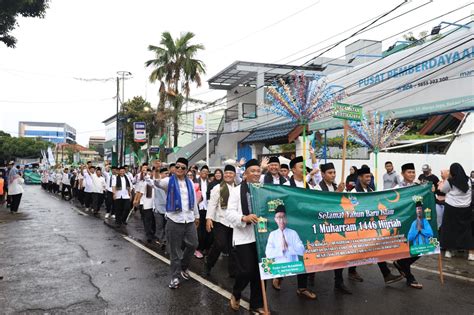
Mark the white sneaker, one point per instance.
(448, 254)
(113, 216)
(107, 215)
(86, 209)
(470, 257)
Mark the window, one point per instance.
(249, 110)
(232, 113)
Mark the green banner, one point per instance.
(327, 230)
(347, 111)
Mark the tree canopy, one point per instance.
(136, 110)
(12, 147)
(10, 10)
(175, 67)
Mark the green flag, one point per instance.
(163, 139)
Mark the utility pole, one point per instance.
(123, 74)
(117, 150)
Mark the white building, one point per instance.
(48, 131)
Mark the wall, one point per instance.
(227, 148)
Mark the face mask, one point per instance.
(147, 177)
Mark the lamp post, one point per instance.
(122, 74)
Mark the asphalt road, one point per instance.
(54, 259)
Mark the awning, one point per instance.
(278, 134)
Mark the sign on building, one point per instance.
(347, 111)
(139, 131)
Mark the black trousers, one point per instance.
(15, 203)
(50, 186)
(80, 196)
(149, 223)
(204, 237)
(222, 236)
(109, 202)
(246, 261)
(384, 268)
(63, 192)
(406, 263)
(87, 199)
(122, 209)
(97, 200)
(338, 280)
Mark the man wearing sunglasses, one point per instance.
(182, 215)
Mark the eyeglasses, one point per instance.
(180, 167)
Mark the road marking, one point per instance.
(436, 272)
(193, 275)
(447, 274)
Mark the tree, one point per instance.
(12, 148)
(135, 110)
(175, 68)
(9, 12)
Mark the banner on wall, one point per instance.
(199, 125)
(321, 231)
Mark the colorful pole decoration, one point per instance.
(376, 133)
(346, 112)
(302, 100)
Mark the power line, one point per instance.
(295, 67)
(266, 27)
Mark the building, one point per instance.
(422, 80)
(110, 137)
(97, 143)
(52, 132)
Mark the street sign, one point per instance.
(154, 150)
(139, 131)
(347, 111)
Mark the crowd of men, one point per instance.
(191, 212)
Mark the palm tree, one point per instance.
(175, 68)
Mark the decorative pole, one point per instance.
(376, 133)
(302, 100)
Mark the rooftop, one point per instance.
(244, 73)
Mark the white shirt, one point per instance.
(98, 183)
(58, 178)
(274, 248)
(330, 187)
(276, 180)
(16, 187)
(65, 179)
(147, 203)
(203, 203)
(299, 183)
(80, 181)
(214, 210)
(160, 200)
(456, 197)
(186, 215)
(123, 192)
(243, 233)
(88, 184)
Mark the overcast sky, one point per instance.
(95, 39)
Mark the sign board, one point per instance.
(154, 150)
(347, 111)
(329, 230)
(139, 132)
(428, 79)
(199, 125)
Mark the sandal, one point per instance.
(414, 284)
(310, 295)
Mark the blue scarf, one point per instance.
(173, 200)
